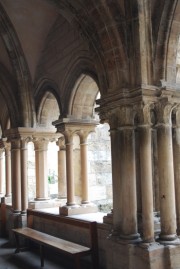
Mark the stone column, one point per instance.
(24, 176)
(155, 172)
(41, 147)
(128, 184)
(69, 168)
(84, 167)
(116, 183)
(8, 169)
(123, 154)
(68, 127)
(16, 175)
(1, 171)
(146, 178)
(176, 153)
(166, 174)
(138, 178)
(62, 190)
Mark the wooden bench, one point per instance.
(74, 250)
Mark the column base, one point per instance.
(23, 213)
(42, 199)
(130, 239)
(125, 239)
(169, 240)
(37, 204)
(150, 246)
(78, 209)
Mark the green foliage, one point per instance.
(52, 178)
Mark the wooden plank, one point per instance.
(51, 241)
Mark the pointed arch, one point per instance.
(79, 67)
(48, 105)
(83, 97)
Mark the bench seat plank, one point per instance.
(49, 240)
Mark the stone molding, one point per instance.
(157, 98)
(30, 134)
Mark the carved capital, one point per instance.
(84, 132)
(164, 111)
(15, 144)
(176, 117)
(105, 116)
(126, 116)
(7, 146)
(68, 135)
(145, 114)
(40, 143)
(61, 143)
(121, 116)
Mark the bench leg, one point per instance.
(77, 262)
(95, 260)
(17, 243)
(42, 255)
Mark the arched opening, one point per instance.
(48, 111)
(82, 107)
(83, 98)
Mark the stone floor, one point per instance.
(31, 259)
